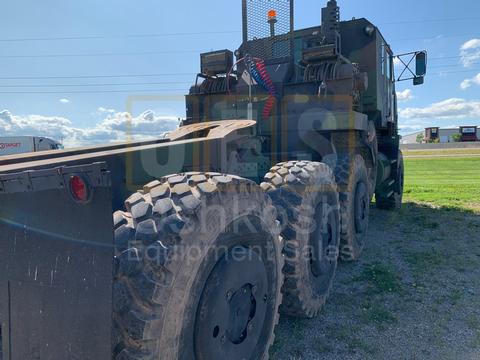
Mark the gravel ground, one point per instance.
(415, 294)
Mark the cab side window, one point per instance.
(388, 61)
(382, 59)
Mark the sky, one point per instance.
(76, 70)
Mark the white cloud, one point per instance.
(64, 101)
(404, 95)
(116, 127)
(469, 82)
(470, 52)
(448, 109)
(102, 110)
(471, 44)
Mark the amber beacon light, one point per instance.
(272, 14)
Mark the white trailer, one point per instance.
(12, 145)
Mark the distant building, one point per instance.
(410, 138)
(467, 133)
(443, 135)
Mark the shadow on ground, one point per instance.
(415, 294)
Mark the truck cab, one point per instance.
(46, 144)
(313, 92)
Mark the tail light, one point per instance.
(79, 189)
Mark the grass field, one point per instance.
(441, 152)
(444, 181)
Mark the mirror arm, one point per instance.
(417, 79)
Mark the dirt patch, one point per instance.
(415, 294)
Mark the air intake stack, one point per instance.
(330, 25)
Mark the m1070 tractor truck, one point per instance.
(238, 216)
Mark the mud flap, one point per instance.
(56, 262)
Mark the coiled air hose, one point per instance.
(259, 72)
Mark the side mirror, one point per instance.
(420, 68)
(408, 72)
(421, 63)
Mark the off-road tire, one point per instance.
(159, 280)
(395, 200)
(350, 170)
(301, 191)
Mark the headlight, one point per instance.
(369, 30)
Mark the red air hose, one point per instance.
(259, 72)
(270, 103)
(268, 107)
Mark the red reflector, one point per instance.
(78, 188)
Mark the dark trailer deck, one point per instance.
(57, 253)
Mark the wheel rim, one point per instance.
(323, 242)
(361, 207)
(233, 307)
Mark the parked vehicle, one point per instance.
(12, 145)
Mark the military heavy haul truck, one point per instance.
(242, 212)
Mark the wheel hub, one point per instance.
(242, 311)
(361, 207)
(322, 258)
(233, 305)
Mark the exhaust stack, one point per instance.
(330, 24)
